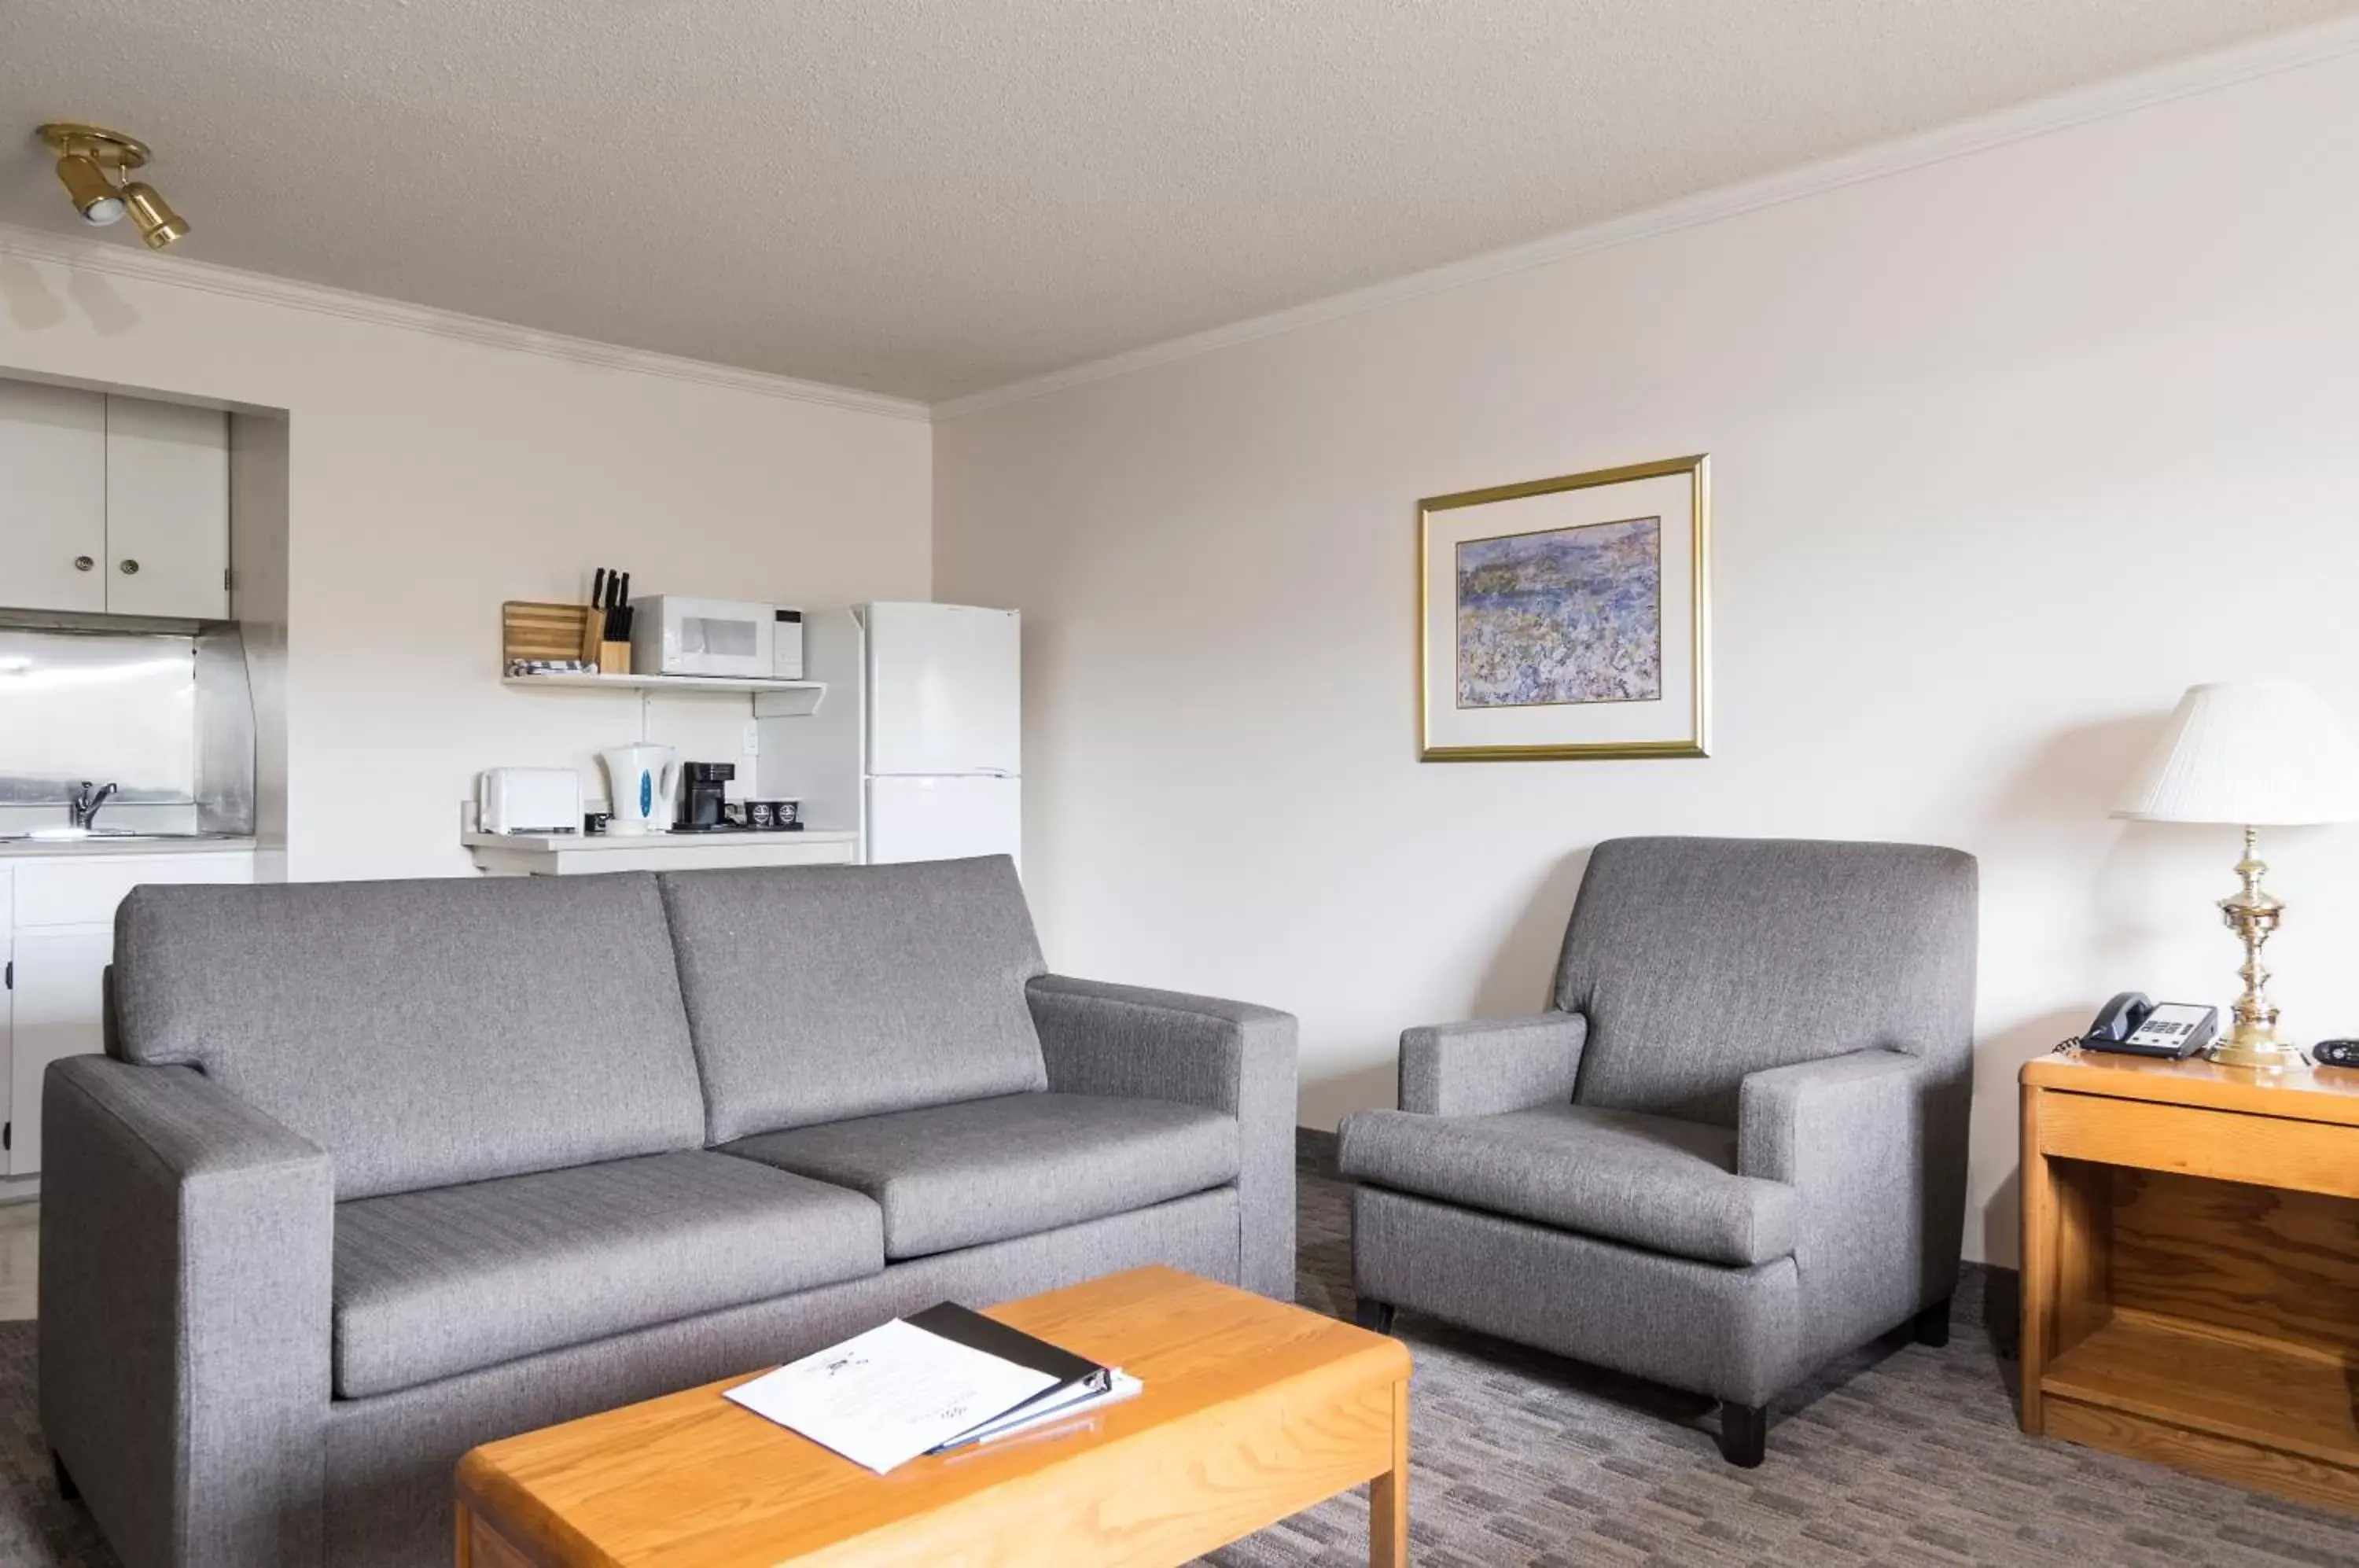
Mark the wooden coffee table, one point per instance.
(1253, 1411)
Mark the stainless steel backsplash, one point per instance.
(164, 716)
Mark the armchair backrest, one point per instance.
(1697, 961)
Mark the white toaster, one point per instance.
(528, 800)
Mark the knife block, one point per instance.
(614, 658)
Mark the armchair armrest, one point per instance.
(1486, 1065)
(186, 1245)
(1813, 1124)
(1226, 1056)
(1862, 1137)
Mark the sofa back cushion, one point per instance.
(821, 993)
(423, 1033)
(1697, 961)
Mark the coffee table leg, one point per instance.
(1388, 1495)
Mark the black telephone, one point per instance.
(2133, 1025)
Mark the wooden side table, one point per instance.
(2190, 1268)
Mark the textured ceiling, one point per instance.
(930, 198)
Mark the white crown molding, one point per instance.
(2123, 95)
(179, 272)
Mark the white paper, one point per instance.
(882, 1397)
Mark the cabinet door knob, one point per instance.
(83, 563)
(130, 567)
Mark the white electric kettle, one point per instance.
(639, 780)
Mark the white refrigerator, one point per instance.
(920, 734)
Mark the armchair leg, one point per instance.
(1375, 1316)
(1743, 1434)
(1931, 1326)
(66, 1487)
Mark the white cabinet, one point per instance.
(57, 926)
(166, 509)
(59, 979)
(52, 497)
(113, 505)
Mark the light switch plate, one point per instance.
(752, 738)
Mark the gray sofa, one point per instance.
(1735, 1148)
(374, 1173)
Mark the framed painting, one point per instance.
(1566, 617)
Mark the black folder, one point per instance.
(1077, 1376)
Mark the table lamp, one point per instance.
(2250, 754)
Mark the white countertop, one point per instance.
(550, 842)
(562, 855)
(169, 843)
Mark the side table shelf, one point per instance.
(2190, 1269)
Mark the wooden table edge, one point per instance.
(529, 1532)
(2320, 1094)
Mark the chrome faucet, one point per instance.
(82, 810)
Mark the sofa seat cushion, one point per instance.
(445, 1280)
(953, 1176)
(1668, 1185)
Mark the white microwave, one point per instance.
(674, 636)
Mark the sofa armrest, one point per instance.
(1855, 1135)
(187, 1246)
(1227, 1056)
(1487, 1065)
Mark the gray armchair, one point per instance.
(1734, 1149)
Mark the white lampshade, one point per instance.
(2252, 753)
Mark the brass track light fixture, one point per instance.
(91, 162)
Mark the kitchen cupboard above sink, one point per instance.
(112, 504)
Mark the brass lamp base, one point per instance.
(2254, 914)
(2268, 1055)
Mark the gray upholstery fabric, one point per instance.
(1199, 1051)
(1697, 961)
(1856, 1136)
(447, 1281)
(389, 1459)
(985, 1171)
(819, 993)
(1475, 1068)
(183, 1315)
(423, 1033)
(508, 1082)
(1666, 1185)
(1805, 1012)
(1729, 1333)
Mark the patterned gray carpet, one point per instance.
(1900, 1454)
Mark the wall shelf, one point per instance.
(772, 699)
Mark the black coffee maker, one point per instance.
(704, 796)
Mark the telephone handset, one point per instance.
(2131, 1024)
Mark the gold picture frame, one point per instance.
(1509, 731)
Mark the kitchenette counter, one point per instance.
(566, 854)
(133, 844)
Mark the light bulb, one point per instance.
(95, 196)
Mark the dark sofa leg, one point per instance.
(1375, 1316)
(1931, 1326)
(66, 1487)
(1743, 1434)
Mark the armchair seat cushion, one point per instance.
(984, 1170)
(432, 1283)
(1653, 1182)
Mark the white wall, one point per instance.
(431, 477)
(2007, 450)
